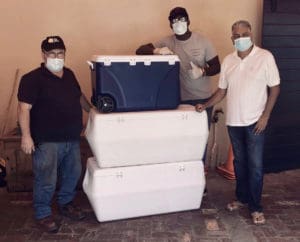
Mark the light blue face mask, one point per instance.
(243, 43)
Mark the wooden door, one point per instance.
(281, 35)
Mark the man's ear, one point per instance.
(43, 56)
(251, 37)
(232, 40)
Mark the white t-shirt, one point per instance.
(246, 81)
(197, 49)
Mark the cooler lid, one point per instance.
(133, 59)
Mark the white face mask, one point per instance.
(180, 27)
(55, 64)
(243, 43)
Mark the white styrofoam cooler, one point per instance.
(148, 137)
(133, 191)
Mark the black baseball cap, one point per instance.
(52, 42)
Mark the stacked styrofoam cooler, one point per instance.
(145, 162)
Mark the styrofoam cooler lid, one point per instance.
(96, 171)
(133, 59)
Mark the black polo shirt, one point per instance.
(56, 113)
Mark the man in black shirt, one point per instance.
(50, 117)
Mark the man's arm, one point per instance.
(213, 67)
(27, 144)
(264, 118)
(145, 49)
(216, 98)
(149, 49)
(85, 105)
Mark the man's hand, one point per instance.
(261, 124)
(163, 51)
(27, 144)
(196, 71)
(200, 107)
(264, 118)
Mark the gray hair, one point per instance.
(244, 23)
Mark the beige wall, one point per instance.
(103, 27)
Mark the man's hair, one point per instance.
(244, 23)
(178, 12)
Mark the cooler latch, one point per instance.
(147, 62)
(181, 168)
(119, 174)
(172, 62)
(184, 116)
(107, 62)
(132, 62)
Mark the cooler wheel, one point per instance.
(105, 104)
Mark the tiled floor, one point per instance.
(281, 201)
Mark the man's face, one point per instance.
(179, 19)
(240, 31)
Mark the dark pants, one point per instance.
(248, 164)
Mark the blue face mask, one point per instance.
(243, 43)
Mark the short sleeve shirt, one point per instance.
(197, 49)
(246, 81)
(56, 113)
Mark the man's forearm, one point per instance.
(213, 67)
(85, 105)
(273, 95)
(27, 144)
(24, 120)
(145, 49)
(216, 98)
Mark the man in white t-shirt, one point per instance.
(246, 75)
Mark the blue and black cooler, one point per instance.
(135, 83)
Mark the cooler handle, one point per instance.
(90, 64)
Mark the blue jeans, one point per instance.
(248, 164)
(208, 111)
(54, 162)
